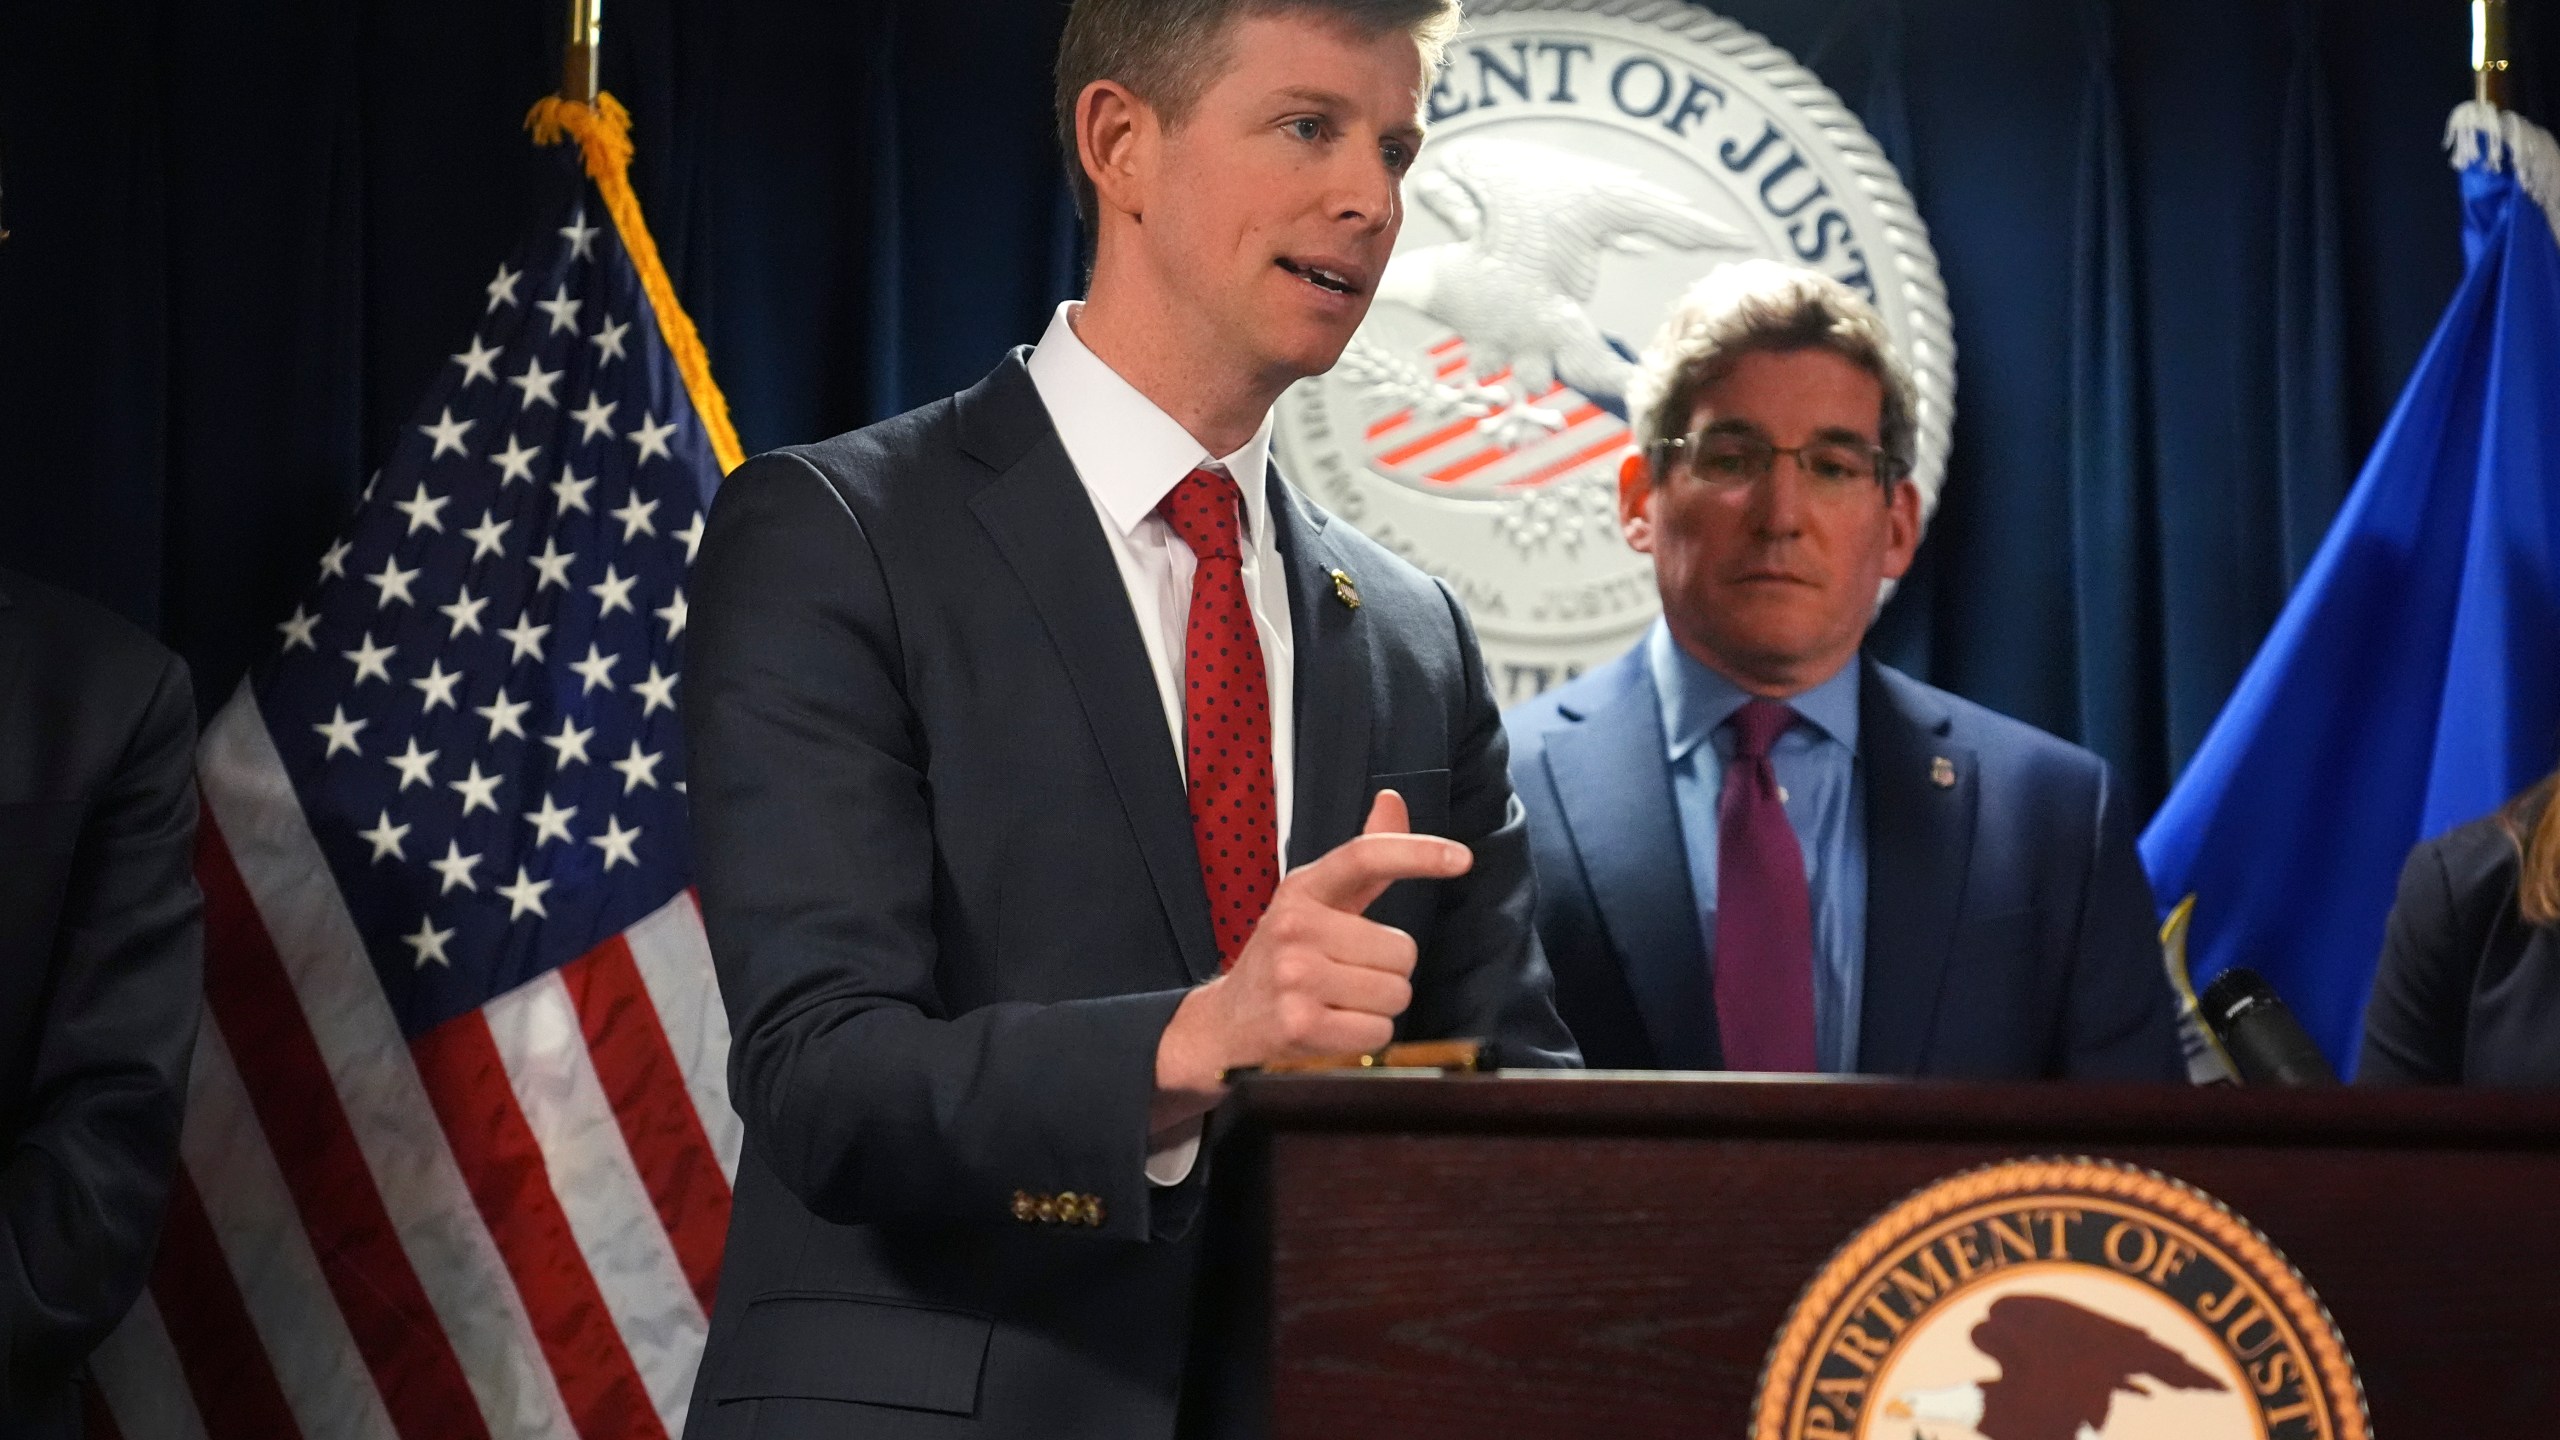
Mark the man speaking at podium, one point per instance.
(1757, 850)
(1004, 714)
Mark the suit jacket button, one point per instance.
(1093, 1210)
(1046, 1207)
(1023, 1209)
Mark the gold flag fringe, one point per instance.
(603, 133)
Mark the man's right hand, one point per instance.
(1316, 977)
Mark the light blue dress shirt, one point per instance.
(1816, 761)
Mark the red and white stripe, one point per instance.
(508, 1227)
(137, 1372)
(1454, 453)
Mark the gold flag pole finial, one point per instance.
(578, 62)
(2489, 52)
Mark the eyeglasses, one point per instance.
(1735, 459)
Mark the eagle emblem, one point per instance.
(2059, 1299)
(2061, 1368)
(1589, 160)
(1534, 223)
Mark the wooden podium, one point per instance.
(1479, 1257)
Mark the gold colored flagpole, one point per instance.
(578, 62)
(583, 112)
(2489, 52)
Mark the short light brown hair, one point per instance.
(1165, 51)
(1757, 305)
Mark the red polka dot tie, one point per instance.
(1226, 717)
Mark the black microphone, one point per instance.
(2266, 1044)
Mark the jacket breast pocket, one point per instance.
(1426, 798)
(817, 1346)
(50, 826)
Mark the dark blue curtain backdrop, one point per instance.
(2194, 247)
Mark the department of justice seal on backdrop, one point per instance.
(2054, 1299)
(1588, 160)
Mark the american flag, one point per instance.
(458, 1145)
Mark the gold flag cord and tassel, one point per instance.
(603, 133)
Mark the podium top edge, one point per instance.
(1675, 1104)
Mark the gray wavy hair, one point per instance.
(1757, 305)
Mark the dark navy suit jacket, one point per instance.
(2467, 992)
(2009, 926)
(947, 867)
(101, 981)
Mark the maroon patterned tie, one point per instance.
(1764, 910)
(1226, 717)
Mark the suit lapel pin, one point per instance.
(1344, 590)
(1942, 772)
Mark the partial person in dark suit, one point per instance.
(2468, 991)
(1757, 850)
(1003, 714)
(101, 980)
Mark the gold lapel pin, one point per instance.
(1344, 590)
(1942, 772)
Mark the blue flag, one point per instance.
(2413, 680)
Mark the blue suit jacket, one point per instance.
(2009, 926)
(949, 878)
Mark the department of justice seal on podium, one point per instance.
(1587, 161)
(2059, 1299)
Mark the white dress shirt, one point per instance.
(1130, 455)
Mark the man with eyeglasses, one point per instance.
(1757, 850)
